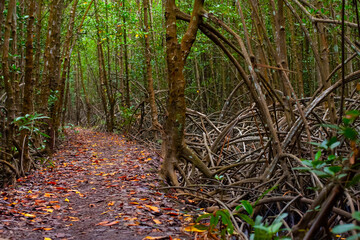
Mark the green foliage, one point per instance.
(220, 223)
(329, 165)
(71, 127)
(126, 115)
(53, 97)
(31, 123)
(263, 230)
(343, 228)
(326, 164)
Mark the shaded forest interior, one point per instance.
(254, 102)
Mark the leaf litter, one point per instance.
(101, 186)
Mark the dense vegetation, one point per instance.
(233, 95)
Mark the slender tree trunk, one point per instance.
(126, 62)
(37, 64)
(77, 95)
(66, 55)
(9, 102)
(14, 61)
(29, 83)
(2, 7)
(149, 76)
(66, 99)
(87, 101)
(49, 56)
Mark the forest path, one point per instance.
(100, 187)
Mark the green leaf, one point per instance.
(318, 164)
(214, 220)
(281, 217)
(317, 155)
(335, 169)
(350, 116)
(246, 204)
(264, 193)
(334, 145)
(329, 171)
(274, 228)
(206, 215)
(349, 133)
(344, 228)
(331, 126)
(354, 180)
(356, 215)
(331, 157)
(354, 237)
(324, 145)
(201, 227)
(247, 219)
(320, 174)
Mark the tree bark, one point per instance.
(177, 53)
(149, 75)
(9, 102)
(29, 83)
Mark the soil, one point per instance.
(98, 186)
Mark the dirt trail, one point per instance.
(100, 187)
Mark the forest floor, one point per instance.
(100, 186)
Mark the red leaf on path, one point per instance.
(172, 214)
(168, 209)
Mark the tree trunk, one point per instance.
(149, 76)
(29, 83)
(126, 62)
(9, 102)
(87, 101)
(174, 144)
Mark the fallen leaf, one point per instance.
(155, 209)
(67, 200)
(134, 203)
(156, 221)
(192, 229)
(156, 238)
(102, 223)
(111, 223)
(111, 203)
(73, 219)
(56, 207)
(48, 194)
(188, 219)
(29, 215)
(47, 238)
(172, 214)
